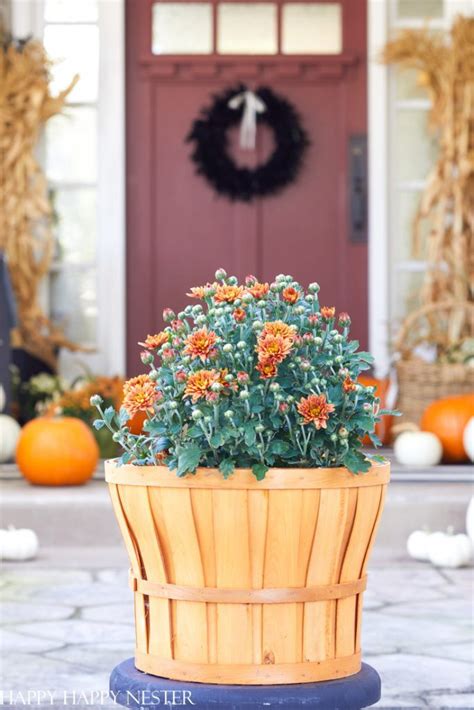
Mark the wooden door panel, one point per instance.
(179, 231)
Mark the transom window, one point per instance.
(249, 28)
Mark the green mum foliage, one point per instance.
(253, 375)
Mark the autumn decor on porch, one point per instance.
(247, 504)
(445, 320)
(26, 104)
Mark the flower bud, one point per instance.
(244, 394)
(201, 320)
(274, 387)
(146, 357)
(154, 375)
(116, 436)
(318, 341)
(216, 387)
(228, 348)
(232, 281)
(168, 315)
(247, 297)
(228, 414)
(241, 345)
(333, 437)
(259, 428)
(96, 400)
(173, 405)
(221, 274)
(196, 414)
(367, 407)
(229, 377)
(313, 287)
(242, 377)
(257, 325)
(343, 433)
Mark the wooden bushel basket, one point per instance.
(247, 582)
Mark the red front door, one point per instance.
(179, 231)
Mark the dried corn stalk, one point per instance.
(446, 70)
(25, 211)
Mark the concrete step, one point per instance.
(82, 515)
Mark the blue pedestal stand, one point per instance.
(141, 691)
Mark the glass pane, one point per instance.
(74, 49)
(404, 210)
(420, 8)
(71, 10)
(407, 84)
(247, 28)
(71, 146)
(74, 303)
(182, 28)
(416, 149)
(76, 225)
(312, 28)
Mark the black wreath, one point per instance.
(209, 133)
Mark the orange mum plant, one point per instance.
(256, 375)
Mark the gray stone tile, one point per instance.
(20, 612)
(85, 594)
(456, 651)
(98, 657)
(23, 672)
(113, 576)
(404, 675)
(405, 584)
(23, 642)
(113, 613)
(454, 700)
(384, 633)
(77, 631)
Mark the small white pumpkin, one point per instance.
(21, 544)
(449, 550)
(9, 434)
(418, 448)
(468, 438)
(417, 545)
(470, 520)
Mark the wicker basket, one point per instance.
(419, 382)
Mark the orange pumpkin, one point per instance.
(447, 418)
(383, 427)
(57, 451)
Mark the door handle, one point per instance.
(358, 188)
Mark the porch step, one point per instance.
(82, 515)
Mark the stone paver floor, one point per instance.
(67, 622)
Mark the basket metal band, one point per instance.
(279, 595)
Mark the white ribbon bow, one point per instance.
(248, 125)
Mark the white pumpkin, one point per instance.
(418, 448)
(21, 544)
(468, 438)
(448, 550)
(417, 545)
(9, 434)
(470, 520)
(2, 399)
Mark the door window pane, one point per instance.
(408, 85)
(247, 28)
(71, 146)
(73, 303)
(76, 225)
(71, 10)
(74, 49)
(182, 28)
(312, 28)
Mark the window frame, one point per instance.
(109, 356)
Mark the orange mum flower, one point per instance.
(267, 369)
(199, 291)
(328, 312)
(348, 385)
(273, 348)
(239, 315)
(140, 394)
(278, 327)
(199, 384)
(153, 342)
(258, 290)
(228, 294)
(315, 409)
(200, 343)
(290, 294)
